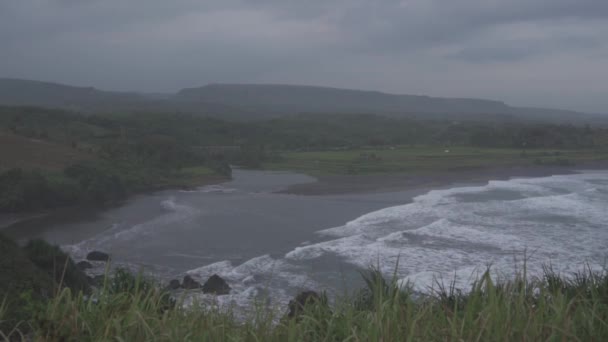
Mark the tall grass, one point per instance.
(551, 308)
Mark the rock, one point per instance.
(297, 305)
(98, 256)
(173, 285)
(216, 285)
(190, 284)
(96, 281)
(84, 265)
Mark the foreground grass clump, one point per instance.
(553, 308)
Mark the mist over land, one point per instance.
(263, 101)
(322, 170)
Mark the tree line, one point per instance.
(138, 151)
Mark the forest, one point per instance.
(117, 154)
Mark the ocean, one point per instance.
(269, 246)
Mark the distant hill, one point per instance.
(558, 115)
(289, 99)
(256, 101)
(298, 99)
(17, 92)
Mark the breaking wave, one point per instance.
(449, 235)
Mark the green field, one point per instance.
(424, 159)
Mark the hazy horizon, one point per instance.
(538, 53)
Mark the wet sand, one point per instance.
(175, 231)
(378, 183)
(248, 228)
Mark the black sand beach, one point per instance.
(377, 183)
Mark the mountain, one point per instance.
(276, 100)
(294, 99)
(558, 115)
(258, 101)
(16, 92)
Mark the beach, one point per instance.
(271, 233)
(370, 183)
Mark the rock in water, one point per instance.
(297, 305)
(190, 284)
(173, 285)
(216, 285)
(96, 281)
(84, 265)
(98, 256)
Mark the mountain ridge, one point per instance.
(263, 101)
(315, 99)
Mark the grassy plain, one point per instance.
(422, 159)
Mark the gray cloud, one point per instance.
(513, 50)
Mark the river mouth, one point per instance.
(271, 244)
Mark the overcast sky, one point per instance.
(525, 52)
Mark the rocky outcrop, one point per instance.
(216, 285)
(84, 265)
(173, 285)
(96, 281)
(190, 284)
(297, 305)
(98, 256)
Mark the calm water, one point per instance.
(277, 244)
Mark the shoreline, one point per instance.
(270, 227)
(381, 183)
(331, 185)
(8, 220)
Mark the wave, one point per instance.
(262, 278)
(444, 235)
(211, 189)
(178, 213)
(555, 219)
(120, 232)
(448, 230)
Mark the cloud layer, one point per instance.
(526, 52)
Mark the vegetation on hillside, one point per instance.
(90, 160)
(30, 276)
(100, 159)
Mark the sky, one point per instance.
(550, 53)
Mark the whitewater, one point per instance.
(269, 246)
(454, 235)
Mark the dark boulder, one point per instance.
(302, 300)
(216, 285)
(173, 285)
(98, 256)
(96, 281)
(190, 284)
(84, 265)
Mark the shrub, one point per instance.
(97, 185)
(24, 190)
(57, 264)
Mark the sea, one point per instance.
(269, 246)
